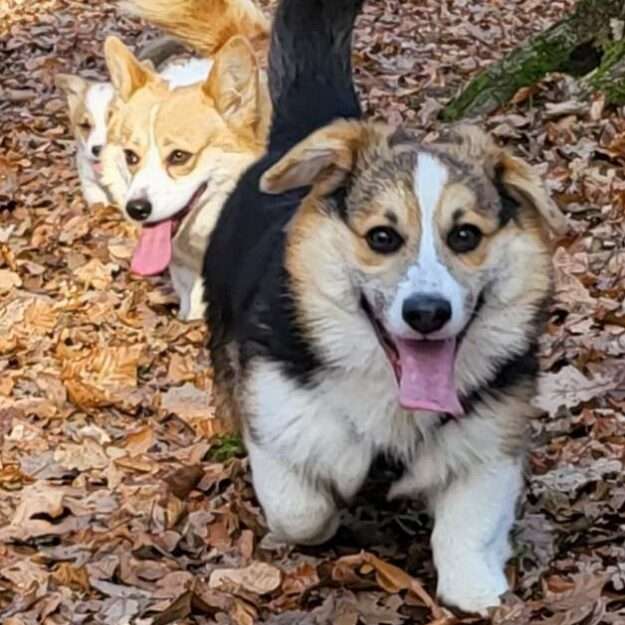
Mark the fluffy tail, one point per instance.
(310, 68)
(160, 50)
(204, 25)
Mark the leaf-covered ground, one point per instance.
(115, 508)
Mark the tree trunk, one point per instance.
(575, 45)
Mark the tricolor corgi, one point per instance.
(368, 294)
(179, 140)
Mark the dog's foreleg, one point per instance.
(190, 290)
(196, 300)
(94, 193)
(297, 510)
(180, 280)
(472, 520)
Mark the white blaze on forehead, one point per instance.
(429, 275)
(97, 101)
(430, 179)
(150, 172)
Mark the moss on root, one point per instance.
(226, 447)
(574, 45)
(609, 77)
(522, 67)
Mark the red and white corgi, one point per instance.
(178, 140)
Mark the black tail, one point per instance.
(310, 67)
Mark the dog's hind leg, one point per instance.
(473, 518)
(297, 510)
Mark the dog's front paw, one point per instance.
(190, 311)
(472, 587)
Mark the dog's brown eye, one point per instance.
(465, 238)
(384, 240)
(132, 158)
(178, 157)
(86, 126)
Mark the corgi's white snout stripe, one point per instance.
(429, 275)
(97, 101)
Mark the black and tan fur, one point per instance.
(297, 294)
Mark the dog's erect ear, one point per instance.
(74, 88)
(324, 159)
(233, 83)
(127, 73)
(517, 178)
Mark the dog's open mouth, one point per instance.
(424, 370)
(155, 248)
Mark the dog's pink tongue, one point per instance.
(154, 249)
(427, 376)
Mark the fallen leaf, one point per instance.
(82, 456)
(259, 578)
(9, 280)
(569, 388)
(140, 441)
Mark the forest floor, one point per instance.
(116, 507)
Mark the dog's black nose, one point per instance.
(139, 209)
(426, 313)
(95, 150)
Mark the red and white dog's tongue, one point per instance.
(154, 249)
(427, 375)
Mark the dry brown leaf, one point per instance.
(243, 613)
(140, 441)
(38, 503)
(393, 579)
(569, 387)
(96, 274)
(121, 249)
(68, 575)
(300, 579)
(194, 407)
(82, 456)
(181, 368)
(24, 574)
(259, 578)
(102, 376)
(9, 280)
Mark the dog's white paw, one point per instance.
(187, 313)
(189, 309)
(471, 586)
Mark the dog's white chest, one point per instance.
(335, 428)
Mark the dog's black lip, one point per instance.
(386, 342)
(479, 304)
(185, 210)
(379, 329)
